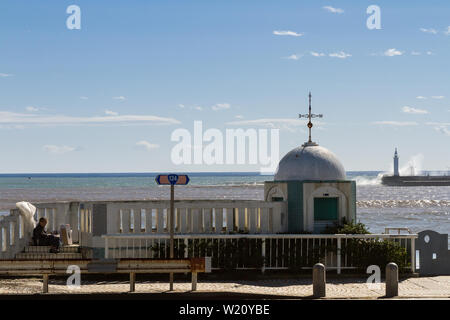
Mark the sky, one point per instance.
(107, 97)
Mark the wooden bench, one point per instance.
(46, 268)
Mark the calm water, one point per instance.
(418, 208)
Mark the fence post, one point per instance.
(391, 280)
(338, 254)
(319, 280)
(194, 281)
(413, 254)
(263, 255)
(106, 248)
(45, 283)
(132, 281)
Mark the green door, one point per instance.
(325, 209)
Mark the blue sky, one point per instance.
(106, 98)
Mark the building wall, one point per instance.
(300, 198)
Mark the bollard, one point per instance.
(391, 280)
(319, 279)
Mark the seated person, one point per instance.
(42, 238)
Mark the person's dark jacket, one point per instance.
(40, 236)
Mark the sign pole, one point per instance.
(172, 180)
(172, 228)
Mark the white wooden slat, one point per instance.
(218, 220)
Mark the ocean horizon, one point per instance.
(378, 206)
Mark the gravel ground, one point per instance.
(424, 287)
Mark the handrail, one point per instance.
(386, 230)
(258, 236)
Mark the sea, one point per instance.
(378, 206)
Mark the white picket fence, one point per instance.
(197, 216)
(278, 251)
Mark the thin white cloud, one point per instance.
(437, 97)
(447, 32)
(5, 75)
(430, 30)
(9, 118)
(340, 55)
(287, 33)
(220, 106)
(395, 123)
(32, 109)
(293, 57)
(421, 97)
(239, 116)
(198, 108)
(84, 98)
(54, 149)
(333, 10)
(392, 52)
(280, 123)
(445, 124)
(415, 53)
(429, 53)
(317, 54)
(147, 145)
(411, 110)
(111, 113)
(442, 127)
(181, 106)
(444, 130)
(122, 98)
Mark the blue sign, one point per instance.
(172, 179)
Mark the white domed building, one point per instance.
(313, 182)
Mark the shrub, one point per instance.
(346, 228)
(362, 253)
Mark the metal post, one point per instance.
(413, 255)
(391, 280)
(338, 255)
(263, 255)
(172, 229)
(45, 283)
(106, 248)
(319, 290)
(132, 281)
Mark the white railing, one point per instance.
(16, 233)
(262, 251)
(197, 216)
(398, 230)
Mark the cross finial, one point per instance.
(310, 125)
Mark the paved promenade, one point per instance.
(427, 287)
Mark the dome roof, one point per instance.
(310, 162)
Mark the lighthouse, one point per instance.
(396, 163)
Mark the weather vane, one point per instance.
(310, 125)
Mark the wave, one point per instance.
(402, 203)
(367, 180)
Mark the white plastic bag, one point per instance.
(27, 210)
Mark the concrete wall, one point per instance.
(300, 199)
